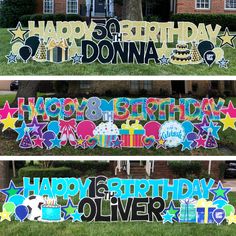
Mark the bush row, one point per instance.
(50, 17)
(224, 20)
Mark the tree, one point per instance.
(4, 176)
(132, 10)
(12, 10)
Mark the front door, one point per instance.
(99, 6)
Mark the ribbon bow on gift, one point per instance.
(61, 44)
(133, 127)
(203, 203)
(67, 128)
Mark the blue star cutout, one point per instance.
(11, 58)
(220, 192)
(69, 209)
(117, 143)
(21, 131)
(56, 143)
(76, 216)
(213, 129)
(77, 59)
(164, 60)
(168, 218)
(223, 63)
(11, 190)
(186, 144)
(173, 211)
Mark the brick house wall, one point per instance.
(188, 6)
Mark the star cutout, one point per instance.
(220, 192)
(168, 218)
(56, 143)
(228, 122)
(173, 211)
(231, 110)
(164, 60)
(231, 219)
(11, 190)
(223, 63)
(161, 143)
(117, 143)
(6, 110)
(199, 126)
(21, 131)
(69, 209)
(18, 33)
(5, 216)
(201, 142)
(213, 129)
(77, 59)
(36, 127)
(80, 143)
(9, 122)
(76, 216)
(227, 38)
(38, 142)
(11, 58)
(186, 144)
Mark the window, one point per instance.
(48, 6)
(147, 85)
(203, 4)
(134, 85)
(230, 4)
(85, 84)
(72, 6)
(1, 2)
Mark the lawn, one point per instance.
(33, 68)
(9, 146)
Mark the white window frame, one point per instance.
(199, 8)
(44, 12)
(67, 10)
(229, 9)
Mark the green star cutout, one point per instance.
(220, 192)
(70, 210)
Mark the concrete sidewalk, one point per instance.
(230, 183)
(7, 92)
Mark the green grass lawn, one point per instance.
(34, 68)
(9, 146)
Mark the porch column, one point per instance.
(111, 8)
(88, 7)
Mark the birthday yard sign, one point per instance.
(112, 41)
(128, 200)
(159, 123)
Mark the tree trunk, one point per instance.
(4, 174)
(27, 89)
(133, 10)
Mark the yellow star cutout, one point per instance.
(231, 219)
(18, 33)
(228, 122)
(5, 216)
(80, 141)
(9, 122)
(227, 38)
(161, 141)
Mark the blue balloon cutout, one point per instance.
(220, 203)
(188, 127)
(17, 199)
(22, 212)
(54, 126)
(218, 216)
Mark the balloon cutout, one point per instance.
(205, 46)
(9, 207)
(229, 209)
(48, 137)
(152, 129)
(218, 216)
(22, 212)
(16, 48)
(25, 53)
(209, 57)
(85, 129)
(33, 43)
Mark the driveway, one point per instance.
(7, 92)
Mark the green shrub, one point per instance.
(12, 10)
(183, 169)
(36, 17)
(73, 17)
(24, 20)
(33, 172)
(224, 20)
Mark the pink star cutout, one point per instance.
(38, 142)
(6, 110)
(201, 142)
(231, 110)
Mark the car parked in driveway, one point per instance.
(14, 85)
(230, 170)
